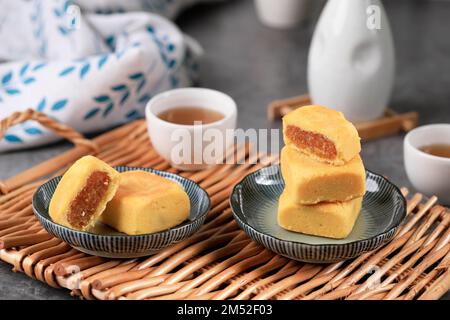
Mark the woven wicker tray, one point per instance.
(220, 261)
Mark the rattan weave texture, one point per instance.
(220, 261)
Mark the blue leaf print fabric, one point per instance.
(87, 69)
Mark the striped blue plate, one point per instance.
(254, 202)
(106, 242)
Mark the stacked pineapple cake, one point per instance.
(323, 173)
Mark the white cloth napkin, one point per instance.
(90, 71)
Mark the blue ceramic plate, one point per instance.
(106, 242)
(254, 202)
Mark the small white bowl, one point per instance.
(282, 15)
(168, 138)
(428, 174)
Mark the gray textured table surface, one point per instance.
(255, 65)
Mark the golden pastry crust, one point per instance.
(309, 181)
(322, 133)
(82, 193)
(327, 219)
(146, 203)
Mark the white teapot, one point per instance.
(351, 59)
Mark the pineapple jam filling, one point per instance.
(316, 143)
(85, 203)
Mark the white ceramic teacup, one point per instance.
(281, 14)
(169, 138)
(428, 174)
